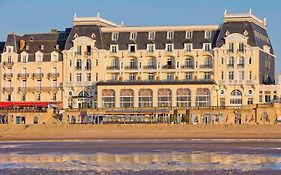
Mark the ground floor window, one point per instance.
(145, 98)
(236, 97)
(164, 97)
(202, 97)
(183, 97)
(108, 98)
(126, 98)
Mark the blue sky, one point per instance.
(27, 16)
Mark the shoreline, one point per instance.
(136, 131)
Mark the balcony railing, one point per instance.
(7, 63)
(149, 67)
(230, 65)
(78, 67)
(131, 67)
(37, 75)
(8, 89)
(38, 89)
(53, 75)
(168, 67)
(88, 68)
(112, 68)
(206, 66)
(187, 66)
(88, 53)
(240, 65)
(8, 75)
(23, 75)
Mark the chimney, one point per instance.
(22, 44)
(54, 30)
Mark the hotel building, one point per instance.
(98, 64)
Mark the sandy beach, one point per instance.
(137, 131)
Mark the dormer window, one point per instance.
(24, 58)
(114, 48)
(57, 46)
(133, 35)
(150, 48)
(42, 47)
(39, 58)
(132, 48)
(31, 38)
(188, 34)
(151, 35)
(188, 47)
(114, 36)
(54, 57)
(170, 35)
(207, 47)
(208, 34)
(169, 47)
(27, 47)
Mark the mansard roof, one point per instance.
(2, 45)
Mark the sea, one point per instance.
(141, 157)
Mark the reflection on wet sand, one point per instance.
(141, 161)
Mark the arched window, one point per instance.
(189, 63)
(145, 98)
(203, 97)
(231, 61)
(35, 120)
(170, 63)
(83, 94)
(108, 98)
(133, 63)
(183, 97)
(236, 97)
(126, 98)
(78, 64)
(208, 62)
(88, 64)
(164, 97)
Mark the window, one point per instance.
(132, 48)
(208, 34)
(170, 76)
(88, 50)
(207, 76)
(54, 57)
(24, 59)
(188, 76)
(114, 76)
(231, 62)
(250, 101)
(78, 77)
(133, 63)
(236, 97)
(150, 47)
(38, 97)
(54, 97)
(250, 75)
(151, 76)
(170, 35)
(189, 63)
(23, 97)
(70, 63)
(183, 97)
(114, 36)
(97, 62)
(188, 35)
(188, 47)
(79, 50)
(39, 58)
(241, 62)
(70, 77)
(164, 97)
(108, 98)
(88, 64)
(126, 98)
(97, 77)
(222, 60)
(145, 98)
(250, 60)
(231, 47)
(231, 75)
(241, 47)
(114, 48)
(241, 75)
(79, 64)
(222, 75)
(89, 77)
(132, 76)
(151, 35)
(169, 47)
(202, 97)
(133, 36)
(207, 47)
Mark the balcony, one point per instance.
(78, 67)
(88, 68)
(8, 75)
(23, 75)
(168, 67)
(187, 67)
(150, 67)
(8, 89)
(230, 65)
(38, 89)
(53, 75)
(88, 53)
(240, 65)
(131, 67)
(8, 63)
(112, 68)
(206, 66)
(37, 75)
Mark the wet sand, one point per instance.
(137, 131)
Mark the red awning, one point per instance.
(5, 104)
(24, 104)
